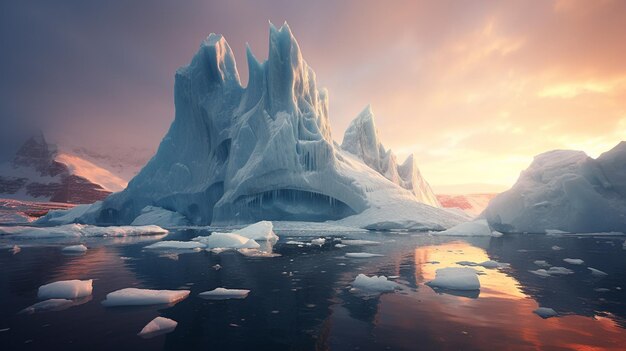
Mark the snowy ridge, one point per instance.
(264, 152)
(567, 191)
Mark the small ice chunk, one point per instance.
(555, 232)
(293, 242)
(362, 255)
(260, 231)
(374, 284)
(556, 248)
(158, 326)
(467, 263)
(478, 227)
(66, 289)
(140, 297)
(224, 294)
(359, 242)
(552, 271)
(48, 305)
(176, 245)
(545, 312)
(227, 241)
(541, 263)
(217, 267)
(318, 241)
(456, 278)
(493, 264)
(496, 234)
(597, 272)
(576, 261)
(16, 249)
(339, 246)
(75, 249)
(602, 290)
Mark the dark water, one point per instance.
(301, 300)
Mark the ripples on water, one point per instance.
(301, 299)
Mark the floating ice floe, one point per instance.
(556, 248)
(140, 297)
(541, 263)
(362, 255)
(456, 278)
(597, 272)
(477, 227)
(318, 241)
(359, 242)
(260, 231)
(227, 241)
(487, 264)
(66, 289)
(48, 306)
(224, 294)
(79, 230)
(158, 326)
(545, 312)
(339, 246)
(159, 216)
(16, 249)
(576, 261)
(552, 271)
(176, 245)
(373, 284)
(496, 234)
(75, 249)
(555, 232)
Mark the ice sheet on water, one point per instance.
(576, 261)
(597, 272)
(359, 242)
(362, 255)
(80, 230)
(373, 284)
(227, 241)
(224, 294)
(48, 305)
(552, 271)
(75, 249)
(176, 245)
(456, 278)
(66, 289)
(158, 326)
(139, 297)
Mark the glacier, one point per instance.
(565, 190)
(236, 155)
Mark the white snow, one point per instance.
(597, 272)
(160, 216)
(374, 284)
(567, 191)
(477, 227)
(48, 305)
(176, 245)
(362, 255)
(545, 312)
(66, 289)
(158, 326)
(224, 294)
(75, 249)
(139, 297)
(227, 241)
(576, 261)
(456, 278)
(260, 231)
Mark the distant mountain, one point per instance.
(39, 172)
(123, 162)
(472, 204)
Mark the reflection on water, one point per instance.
(301, 299)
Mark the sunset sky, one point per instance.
(474, 88)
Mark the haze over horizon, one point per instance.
(475, 90)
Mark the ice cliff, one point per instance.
(565, 190)
(263, 152)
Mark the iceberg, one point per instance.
(66, 289)
(260, 231)
(455, 278)
(224, 294)
(75, 249)
(158, 326)
(236, 155)
(566, 191)
(478, 227)
(373, 284)
(140, 297)
(226, 241)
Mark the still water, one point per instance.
(301, 299)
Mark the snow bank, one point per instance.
(66, 289)
(545, 312)
(374, 284)
(159, 216)
(158, 326)
(477, 227)
(576, 261)
(362, 255)
(456, 278)
(224, 294)
(227, 241)
(140, 297)
(48, 305)
(75, 249)
(176, 245)
(260, 231)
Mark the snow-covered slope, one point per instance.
(361, 139)
(565, 190)
(264, 152)
(38, 172)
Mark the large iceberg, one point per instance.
(265, 152)
(565, 190)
